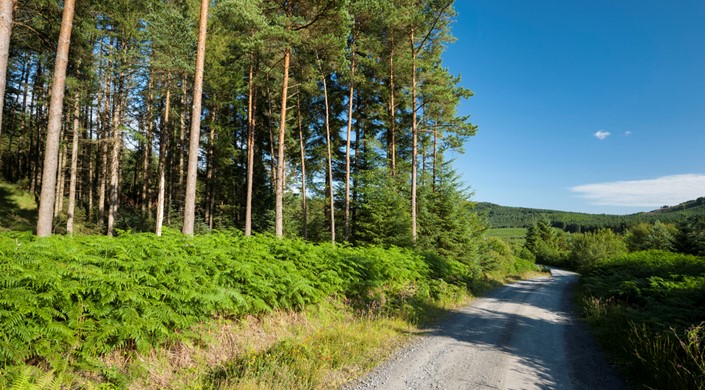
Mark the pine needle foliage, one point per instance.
(67, 301)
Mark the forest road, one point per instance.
(520, 336)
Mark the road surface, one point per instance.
(521, 336)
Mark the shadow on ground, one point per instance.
(13, 215)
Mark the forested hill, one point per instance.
(513, 217)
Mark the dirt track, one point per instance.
(521, 336)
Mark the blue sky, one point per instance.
(594, 106)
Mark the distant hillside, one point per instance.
(521, 217)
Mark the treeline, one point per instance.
(521, 217)
(322, 119)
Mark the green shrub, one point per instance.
(587, 249)
(647, 308)
(646, 236)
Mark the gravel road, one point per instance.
(521, 336)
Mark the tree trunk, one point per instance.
(302, 148)
(74, 166)
(116, 150)
(347, 144)
(45, 215)
(210, 168)
(147, 157)
(190, 202)
(330, 162)
(104, 138)
(392, 112)
(414, 137)
(279, 189)
(250, 147)
(91, 163)
(162, 160)
(5, 32)
(23, 121)
(58, 200)
(182, 137)
(435, 156)
(359, 140)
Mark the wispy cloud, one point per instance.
(667, 190)
(627, 133)
(602, 134)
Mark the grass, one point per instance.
(322, 347)
(647, 310)
(18, 210)
(511, 235)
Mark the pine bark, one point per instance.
(330, 162)
(74, 166)
(56, 106)
(392, 112)
(279, 189)
(182, 137)
(161, 187)
(116, 152)
(5, 32)
(302, 148)
(190, 201)
(147, 156)
(210, 170)
(58, 200)
(414, 137)
(250, 147)
(347, 145)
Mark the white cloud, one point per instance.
(667, 190)
(627, 133)
(602, 134)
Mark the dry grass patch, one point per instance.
(323, 347)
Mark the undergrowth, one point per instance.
(69, 305)
(647, 308)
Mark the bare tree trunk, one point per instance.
(116, 151)
(74, 166)
(33, 108)
(279, 189)
(435, 156)
(347, 145)
(147, 161)
(45, 215)
(359, 140)
(302, 148)
(182, 137)
(210, 168)
(5, 32)
(330, 162)
(392, 111)
(162, 160)
(91, 164)
(23, 121)
(414, 137)
(250, 147)
(58, 200)
(190, 202)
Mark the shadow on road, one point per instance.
(532, 322)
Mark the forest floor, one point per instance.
(18, 211)
(523, 335)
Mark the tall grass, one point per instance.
(647, 307)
